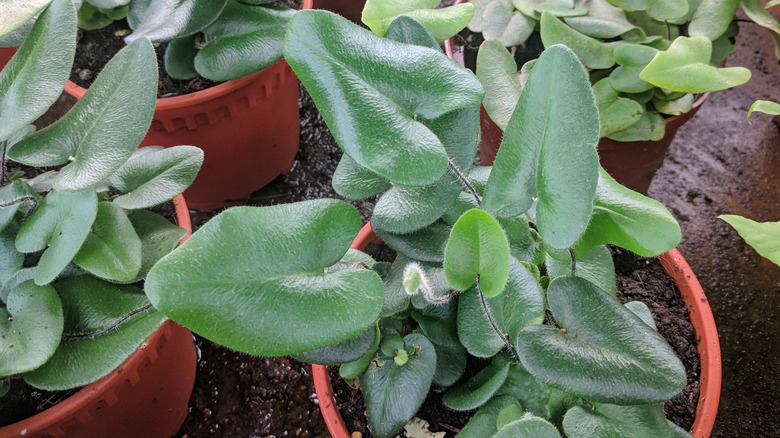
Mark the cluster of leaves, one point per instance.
(646, 59)
(75, 242)
(483, 253)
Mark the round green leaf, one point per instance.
(112, 249)
(712, 18)
(30, 327)
(265, 268)
(615, 113)
(477, 247)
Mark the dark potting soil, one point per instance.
(94, 48)
(638, 279)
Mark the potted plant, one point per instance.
(377, 15)
(247, 126)
(78, 241)
(467, 281)
(651, 68)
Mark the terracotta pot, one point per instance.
(701, 317)
(145, 396)
(248, 129)
(6, 53)
(349, 9)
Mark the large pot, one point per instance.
(248, 130)
(6, 53)
(701, 318)
(349, 9)
(146, 396)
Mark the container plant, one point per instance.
(78, 241)
(651, 67)
(248, 125)
(505, 263)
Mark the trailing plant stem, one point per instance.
(489, 314)
(464, 180)
(2, 162)
(18, 200)
(115, 324)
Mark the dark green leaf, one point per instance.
(405, 29)
(593, 53)
(350, 350)
(180, 58)
(612, 420)
(165, 20)
(483, 423)
(480, 388)
(528, 427)
(158, 238)
(112, 249)
(426, 245)
(442, 23)
(353, 181)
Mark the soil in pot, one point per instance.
(638, 279)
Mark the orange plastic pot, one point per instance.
(145, 396)
(350, 9)
(248, 130)
(701, 318)
(6, 53)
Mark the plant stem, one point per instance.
(2, 162)
(489, 314)
(69, 337)
(464, 180)
(573, 263)
(18, 200)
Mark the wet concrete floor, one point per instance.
(719, 164)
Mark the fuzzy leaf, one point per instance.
(764, 106)
(593, 53)
(712, 18)
(442, 23)
(180, 58)
(265, 267)
(612, 420)
(165, 20)
(528, 427)
(650, 126)
(602, 21)
(480, 388)
(764, 237)
(158, 238)
(112, 249)
(503, 24)
(483, 423)
(426, 245)
(15, 13)
(497, 70)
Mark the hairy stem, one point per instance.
(464, 180)
(573, 263)
(489, 314)
(3, 159)
(115, 324)
(18, 200)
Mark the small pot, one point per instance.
(350, 9)
(701, 318)
(147, 395)
(248, 130)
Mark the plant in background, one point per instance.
(441, 23)
(646, 60)
(482, 253)
(75, 243)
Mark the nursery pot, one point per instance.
(248, 130)
(350, 9)
(6, 53)
(145, 396)
(701, 318)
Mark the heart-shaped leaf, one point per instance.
(180, 58)
(60, 225)
(557, 8)
(394, 392)
(477, 247)
(353, 181)
(712, 18)
(104, 128)
(593, 53)
(528, 427)
(30, 327)
(10, 259)
(630, 220)
(480, 388)
(650, 126)
(156, 177)
(373, 111)
(549, 151)
(34, 78)
(92, 308)
(158, 238)
(607, 354)
(763, 237)
(595, 266)
(347, 351)
(602, 21)
(165, 20)
(426, 245)
(503, 24)
(685, 67)
(112, 249)
(613, 420)
(442, 23)
(660, 10)
(483, 423)
(520, 303)
(405, 29)
(497, 70)
(632, 59)
(615, 113)
(477, 20)
(265, 266)
(247, 39)
(674, 107)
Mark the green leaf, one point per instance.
(60, 225)
(763, 237)
(549, 151)
(528, 427)
(477, 249)
(155, 177)
(558, 8)
(394, 392)
(11, 260)
(30, 327)
(264, 266)
(247, 39)
(372, 99)
(756, 12)
(353, 370)
(658, 9)
(502, 23)
(593, 53)
(764, 106)
(91, 17)
(508, 414)
(180, 58)
(353, 181)
(535, 396)
(112, 249)
(674, 107)
(483, 423)
(158, 238)
(612, 420)
(15, 13)
(426, 245)
(450, 364)
(477, 20)
(90, 306)
(632, 59)
(712, 18)
(442, 23)
(521, 303)
(34, 78)
(607, 354)
(650, 126)
(105, 126)
(480, 388)
(602, 21)
(685, 67)
(405, 29)
(350, 350)
(16, 194)
(106, 4)
(165, 20)
(595, 266)
(615, 113)
(437, 323)
(497, 70)
(629, 220)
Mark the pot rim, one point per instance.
(700, 314)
